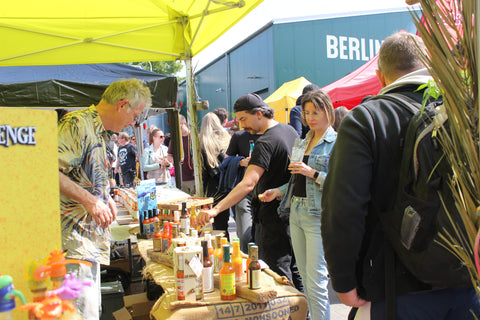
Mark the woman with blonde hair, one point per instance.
(302, 197)
(214, 141)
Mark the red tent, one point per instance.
(350, 90)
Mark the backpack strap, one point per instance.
(406, 102)
(414, 107)
(389, 254)
(390, 283)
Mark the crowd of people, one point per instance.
(308, 193)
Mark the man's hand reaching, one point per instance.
(101, 213)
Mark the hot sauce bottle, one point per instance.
(165, 236)
(180, 285)
(237, 261)
(217, 253)
(250, 244)
(184, 219)
(157, 241)
(207, 269)
(227, 276)
(254, 269)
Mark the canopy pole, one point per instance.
(137, 131)
(192, 116)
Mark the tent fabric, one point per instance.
(90, 31)
(351, 89)
(283, 99)
(77, 85)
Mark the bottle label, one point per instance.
(255, 279)
(157, 245)
(238, 271)
(208, 284)
(164, 245)
(180, 288)
(227, 284)
(199, 288)
(185, 225)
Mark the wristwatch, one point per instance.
(315, 175)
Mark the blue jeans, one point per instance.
(308, 250)
(243, 221)
(441, 304)
(89, 302)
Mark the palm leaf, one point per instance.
(453, 66)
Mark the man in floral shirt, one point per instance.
(87, 210)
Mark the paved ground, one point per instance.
(338, 311)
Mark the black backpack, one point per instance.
(418, 218)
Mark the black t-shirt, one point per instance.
(126, 156)
(271, 152)
(240, 143)
(300, 186)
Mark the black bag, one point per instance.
(418, 217)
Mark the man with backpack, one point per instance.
(360, 193)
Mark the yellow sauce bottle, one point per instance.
(227, 277)
(237, 261)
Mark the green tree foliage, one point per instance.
(169, 68)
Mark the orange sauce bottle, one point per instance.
(237, 261)
(180, 285)
(227, 277)
(165, 236)
(157, 241)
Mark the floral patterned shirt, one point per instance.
(83, 158)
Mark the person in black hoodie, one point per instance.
(362, 183)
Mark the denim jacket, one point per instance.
(318, 160)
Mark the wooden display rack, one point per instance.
(191, 202)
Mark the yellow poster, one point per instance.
(29, 192)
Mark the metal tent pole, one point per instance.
(192, 115)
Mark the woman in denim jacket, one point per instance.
(155, 162)
(301, 200)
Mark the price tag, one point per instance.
(196, 266)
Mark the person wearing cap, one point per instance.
(268, 168)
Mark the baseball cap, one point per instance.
(249, 101)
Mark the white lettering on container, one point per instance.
(21, 135)
(351, 48)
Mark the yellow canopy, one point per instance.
(47, 32)
(53, 32)
(284, 98)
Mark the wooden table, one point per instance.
(289, 304)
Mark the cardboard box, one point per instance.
(137, 307)
(190, 280)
